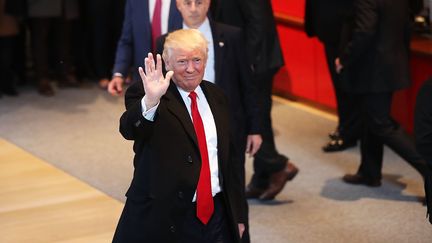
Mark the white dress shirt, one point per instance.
(164, 13)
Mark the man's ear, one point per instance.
(167, 65)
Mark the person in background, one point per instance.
(271, 169)
(52, 18)
(9, 31)
(227, 68)
(373, 65)
(326, 20)
(103, 20)
(141, 27)
(423, 134)
(183, 188)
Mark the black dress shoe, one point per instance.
(253, 192)
(339, 144)
(357, 179)
(334, 135)
(45, 88)
(278, 181)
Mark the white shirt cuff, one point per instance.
(148, 114)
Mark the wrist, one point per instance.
(117, 75)
(149, 102)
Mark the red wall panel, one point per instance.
(290, 7)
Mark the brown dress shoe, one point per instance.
(357, 179)
(253, 192)
(278, 181)
(45, 88)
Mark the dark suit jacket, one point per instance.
(167, 166)
(325, 19)
(256, 19)
(376, 59)
(423, 121)
(423, 135)
(135, 41)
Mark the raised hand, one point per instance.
(155, 84)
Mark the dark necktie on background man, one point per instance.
(204, 198)
(156, 23)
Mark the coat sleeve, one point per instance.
(309, 18)
(247, 87)
(133, 125)
(365, 27)
(123, 58)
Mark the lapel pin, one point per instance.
(221, 44)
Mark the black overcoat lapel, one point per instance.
(178, 108)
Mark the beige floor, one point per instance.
(39, 203)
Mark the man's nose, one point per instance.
(193, 7)
(190, 68)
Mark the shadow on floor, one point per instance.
(391, 189)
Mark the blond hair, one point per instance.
(185, 39)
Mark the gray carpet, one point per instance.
(77, 131)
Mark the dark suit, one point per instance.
(423, 121)
(256, 19)
(326, 20)
(375, 65)
(423, 134)
(135, 41)
(167, 166)
(233, 75)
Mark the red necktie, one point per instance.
(156, 23)
(204, 199)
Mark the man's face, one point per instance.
(194, 12)
(188, 67)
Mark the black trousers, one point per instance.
(43, 32)
(267, 160)
(381, 129)
(348, 106)
(217, 229)
(7, 57)
(104, 20)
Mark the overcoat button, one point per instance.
(172, 228)
(189, 159)
(180, 195)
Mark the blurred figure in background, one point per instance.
(373, 65)
(423, 134)
(325, 19)
(141, 27)
(11, 11)
(104, 20)
(271, 169)
(50, 24)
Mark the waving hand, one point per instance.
(155, 84)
